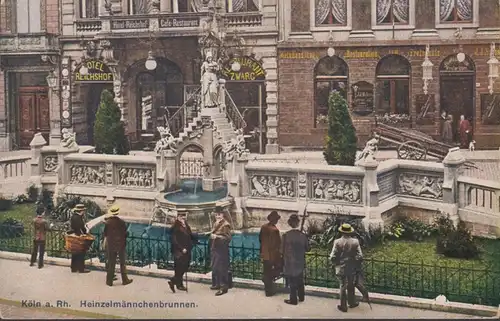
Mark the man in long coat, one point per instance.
(220, 239)
(182, 241)
(115, 232)
(346, 254)
(41, 229)
(465, 130)
(447, 134)
(294, 248)
(270, 252)
(78, 228)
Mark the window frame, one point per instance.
(397, 26)
(15, 12)
(82, 6)
(346, 27)
(396, 77)
(458, 24)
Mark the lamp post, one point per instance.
(427, 70)
(493, 68)
(52, 80)
(150, 62)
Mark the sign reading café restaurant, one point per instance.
(96, 72)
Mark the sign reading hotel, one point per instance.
(179, 22)
(130, 24)
(249, 69)
(94, 71)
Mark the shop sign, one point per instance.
(130, 24)
(362, 98)
(299, 55)
(96, 72)
(179, 22)
(249, 69)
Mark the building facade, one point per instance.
(372, 52)
(29, 51)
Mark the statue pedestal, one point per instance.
(210, 184)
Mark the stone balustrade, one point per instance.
(14, 175)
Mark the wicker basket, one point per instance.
(78, 244)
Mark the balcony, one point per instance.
(88, 26)
(243, 19)
(25, 43)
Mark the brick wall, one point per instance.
(52, 16)
(296, 88)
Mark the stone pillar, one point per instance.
(238, 187)
(370, 191)
(489, 11)
(55, 113)
(361, 19)
(4, 135)
(271, 66)
(300, 15)
(425, 19)
(452, 162)
(222, 95)
(63, 174)
(167, 169)
(36, 166)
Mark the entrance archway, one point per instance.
(93, 99)
(457, 90)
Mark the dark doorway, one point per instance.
(93, 101)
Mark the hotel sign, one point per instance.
(249, 69)
(130, 24)
(179, 22)
(96, 71)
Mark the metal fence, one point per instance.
(416, 279)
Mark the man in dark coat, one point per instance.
(41, 229)
(104, 246)
(182, 241)
(346, 255)
(220, 239)
(294, 248)
(270, 252)
(115, 232)
(78, 228)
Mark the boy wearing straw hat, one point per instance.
(346, 254)
(78, 228)
(115, 232)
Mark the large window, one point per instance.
(139, 6)
(456, 10)
(331, 12)
(89, 8)
(393, 11)
(28, 16)
(330, 74)
(393, 86)
(242, 5)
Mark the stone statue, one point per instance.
(68, 139)
(370, 148)
(236, 145)
(167, 140)
(209, 81)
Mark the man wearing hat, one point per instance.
(294, 247)
(346, 254)
(104, 245)
(115, 232)
(78, 228)
(220, 238)
(41, 229)
(270, 252)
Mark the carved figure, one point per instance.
(167, 140)
(236, 146)
(209, 81)
(136, 177)
(421, 186)
(273, 186)
(341, 190)
(50, 163)
(68, 139)
(87, 175)
(370, 148)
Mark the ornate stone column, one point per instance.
(452, 162)
(370, 192)
(55, 108)
(108, 56)
(270, 64)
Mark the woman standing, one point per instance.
(220, 239)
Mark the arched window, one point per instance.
(330, 74)
(393, 86)
(159, 94)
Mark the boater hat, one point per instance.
(79, 208)
(346, 228)
(115, 210)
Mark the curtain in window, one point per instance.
(445, 9)
(401, 10)
(383, 8)
(91, 8)
(339, 11)
(464, 9)
(142, 6)
(322, 10)
(197, 5)
(238, 5)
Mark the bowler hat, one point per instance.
(218, 209)
(273, 216)
(293, 219)
(79, 208)
(346, 228)
(115, 210)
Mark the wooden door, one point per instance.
(34, 114)
(457, 98)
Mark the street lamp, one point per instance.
(493, 68)
(150, 62)
(52, 80)
(427, 70)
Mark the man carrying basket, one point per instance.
(78, 228)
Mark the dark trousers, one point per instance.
(347, 290)
(38, 248)
(181, 266)
(221, 278)
(297, 288)
(112, 263)
(78, 262)
(268, 277)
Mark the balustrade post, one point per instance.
(238, 187)
(63, 174)
(452, 162)
(370, 192)
(222, 95)
(167, 169)
(36, 166)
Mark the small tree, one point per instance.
(109, 131)
(341, 142)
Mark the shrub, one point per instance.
(66, 204)
(21, 199)
(456, 242)
(45, 201)
(109, 131)
(410, 229)
(32, 193)
(341, 142)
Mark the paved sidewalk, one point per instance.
(14, 312)
(54, 283)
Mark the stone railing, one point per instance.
(243, 19)
(191, 167)
(14, 175)
(90, 26)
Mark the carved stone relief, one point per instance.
(387, 185)
(92, 175)
(50, 163)
(420, 185)
(136, 177)
(273, 186)
(302, 185)
(339, 190)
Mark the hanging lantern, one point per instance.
(427, 69)
(150, 62)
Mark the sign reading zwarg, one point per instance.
(96, 72)
(250, 69)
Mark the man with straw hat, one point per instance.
(270, 252)
(346, 255)
(294, 247)
(78, 228)
(115, 232)
(220, 238)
